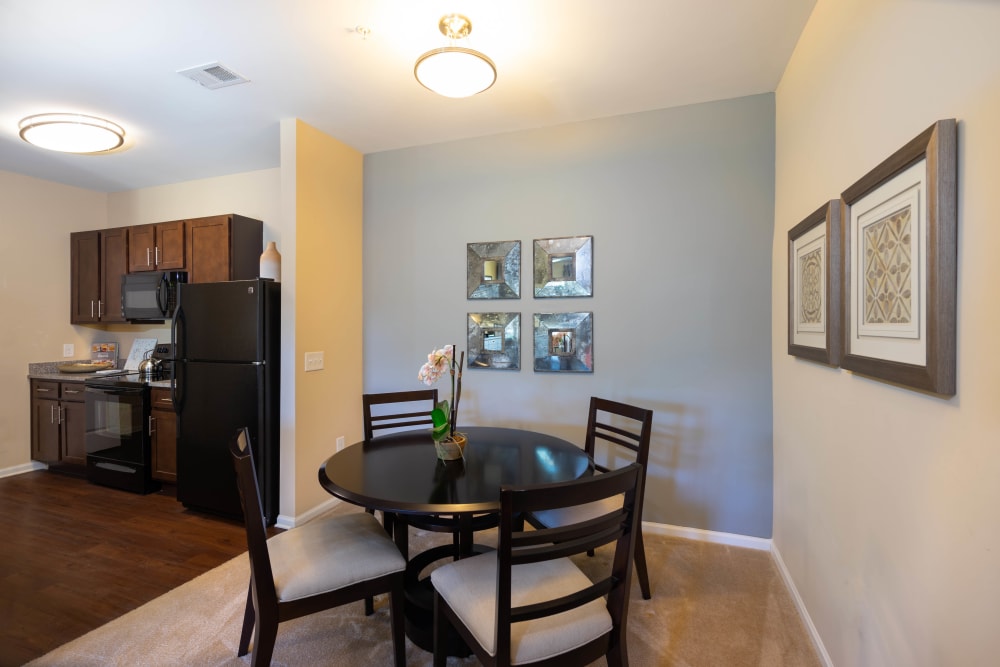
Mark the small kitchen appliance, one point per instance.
(150, 296)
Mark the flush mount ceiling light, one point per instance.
(455, 71)
(71, 133)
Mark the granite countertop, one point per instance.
(49, 370)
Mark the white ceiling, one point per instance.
(558, 61)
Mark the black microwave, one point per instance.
(150, 297)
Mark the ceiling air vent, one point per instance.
(213, 75)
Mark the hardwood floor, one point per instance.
(74, 556)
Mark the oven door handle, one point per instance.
(116, 391)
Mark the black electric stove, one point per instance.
(118, 427)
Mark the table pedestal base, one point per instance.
(420, 602)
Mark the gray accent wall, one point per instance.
(680, 203)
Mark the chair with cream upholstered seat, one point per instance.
(625, 426)
(324, 563)
(528, 603)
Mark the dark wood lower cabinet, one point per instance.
(58, 423)
(163, 435)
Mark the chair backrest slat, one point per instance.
(374, 422)
(599, 426)
(531, 612)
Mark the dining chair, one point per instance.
(621, 425)
(324, 563)
(529, 603)
(421, 401)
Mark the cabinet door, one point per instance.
(85, 276)
(73, 418)
(114, 262)
(169, 252)
(164, 436)
(208, 249)
(141, 248)
(44, 430)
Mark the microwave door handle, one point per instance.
(161, 293)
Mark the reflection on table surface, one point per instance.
(401, 472)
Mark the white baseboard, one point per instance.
(800, 605)
(287, 522)
(731, 539)
(23, 468)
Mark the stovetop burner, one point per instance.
(125, 379)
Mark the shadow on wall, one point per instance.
(675, 452)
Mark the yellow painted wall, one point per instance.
(328, 304)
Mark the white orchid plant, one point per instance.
(445, 413)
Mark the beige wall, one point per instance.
(328, 316)
(35, 223)
(885, 498)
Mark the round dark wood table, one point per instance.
(401, 475)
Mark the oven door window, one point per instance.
(116, 423)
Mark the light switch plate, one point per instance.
(314, 361)
(68, 350)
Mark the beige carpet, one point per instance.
(712, 605)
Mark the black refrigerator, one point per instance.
(227, 347)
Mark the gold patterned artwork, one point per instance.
(811, 287)
(888, 295)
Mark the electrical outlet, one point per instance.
(340, 443)
(314, 361)
(68, 350)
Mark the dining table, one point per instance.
(401, 475)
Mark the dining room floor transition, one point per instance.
(78, 556)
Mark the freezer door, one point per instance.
(213, 401)
(220, 321)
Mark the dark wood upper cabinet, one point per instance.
(97, 264)
(114, 260)
(85, 276)
(156, 247)
(223, 247)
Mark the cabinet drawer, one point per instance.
(45, 389)
(71, 391)
(160, 398)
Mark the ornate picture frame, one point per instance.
(564, 267)
(900, 272)
(494, 341)
(493, 270)
(564, 342)
(814, 273)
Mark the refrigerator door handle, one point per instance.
(180, 354)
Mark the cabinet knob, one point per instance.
(67, 391)
(147, 256)
(157, 255)
(42, 389)
(152, 425)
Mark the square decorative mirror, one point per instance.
(493, 270)
(564, 342)
(564, 267)
(495, 341)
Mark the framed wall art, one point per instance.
(900, 269)
(493, 270)
(814, 271)
(564, 342)
(494, 341)
(563, 267)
